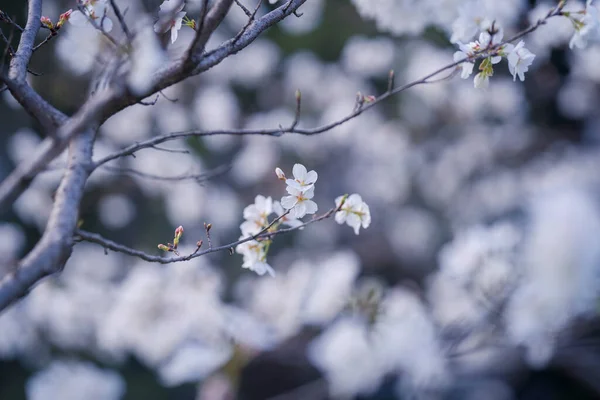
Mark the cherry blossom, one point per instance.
(355, 212)
(256, 215)
(587, 26)
(172, 14)
(255, 257)
(519, 60)
(299, 202)
(303, 179)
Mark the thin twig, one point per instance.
(251, 19)
(119, 16)
(244, 9)
(82, 235)
(197, 177)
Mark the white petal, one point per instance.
(300, 210)
(299, 172)
(311, 206)
(311, 177)
(309, 193)
(288, 202)
(340, 217)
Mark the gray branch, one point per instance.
(19, 62)
(54, 248)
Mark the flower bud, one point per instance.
(163, 247)
(46, 22)
(64, 17)
(199, 243)
(207, 227)
(280, 174)
(179, 231)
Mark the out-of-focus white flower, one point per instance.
(299, 202)
(560, 281)
(73, 380)
(94, 10)
(587, 26)
(345, 355)
(303, 179)
(146, 58)
(470, 20)
(193, 362)
(171, 18)
(355, 212)
(519, 60)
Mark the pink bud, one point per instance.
(369, 98)
(46, 22)
(64, 17)
(179, 231)
(280, 173)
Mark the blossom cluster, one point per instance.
(292, 207)
(490, 45)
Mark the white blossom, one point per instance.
(481, 81)
(466, 51)
(303, 179)
(355, 212)
(286, 220)
(254, 257)
(519, 60)
(256, 215)
(299, 202)
(171, 17)
(587, 26)
(70, 380)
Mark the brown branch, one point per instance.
(82, 235)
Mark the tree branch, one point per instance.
(45, 114)
(208, 24)
(54, 248)
(117, 247)
(19, 62)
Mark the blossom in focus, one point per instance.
(286, 220)
(255, 257)
(519, 60)
(256, 215)
(171, 17)
(466, 51)
(299, 202)
(93, 11)
(587, 26)
(355, 212)
(303, 179)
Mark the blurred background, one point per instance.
(478, 277)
